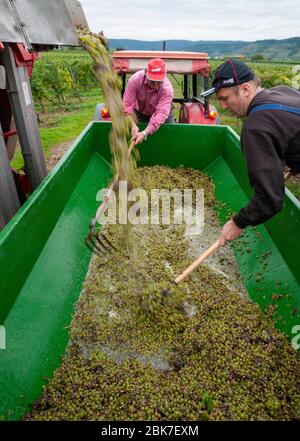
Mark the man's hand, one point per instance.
(134, 130)
(230, 231)
(139, 138)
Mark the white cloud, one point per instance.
(194, 20)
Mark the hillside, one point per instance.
(172, 45)
(288, 49)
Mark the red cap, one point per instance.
(156, 70)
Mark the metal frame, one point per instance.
(33, 24)
(40, 22)
(195, 85)
(185, 87)
(9, 200)
(206, 99)
(76, 13)
(123, 76)
(21, 102)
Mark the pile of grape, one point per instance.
(210, 354)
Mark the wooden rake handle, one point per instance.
(210, 250)
(197, 262)
(101, 208)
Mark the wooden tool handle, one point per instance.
(197, 262)
(210, 250)
(130, 149)
(101, 208)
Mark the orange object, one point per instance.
(105, 112)
(213, 114)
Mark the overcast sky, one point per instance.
(247, 20)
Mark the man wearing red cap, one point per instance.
(148, 98)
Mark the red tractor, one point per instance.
(193, 66)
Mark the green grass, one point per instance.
(294, 187)
(66, 55)
(63, 127)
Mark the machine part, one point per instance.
(22, 106)
(5, 112)
(76, 13)
(2, 78)
(9, 201)
(185, 87)
(96, 241)
(11, 140)
(195, 113)
(23, 57)
(176, 61)
(207, 93)
(20, 24)
(206, 99)
(102, 113)
(39, 22)
(22, 185)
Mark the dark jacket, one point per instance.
(270, 139)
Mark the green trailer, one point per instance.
(44, 261)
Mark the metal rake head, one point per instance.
(97, 241)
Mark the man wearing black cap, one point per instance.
(270, 139)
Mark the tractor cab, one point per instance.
(190, 71)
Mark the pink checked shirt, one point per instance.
(150, 102)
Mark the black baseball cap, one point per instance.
(229, 74)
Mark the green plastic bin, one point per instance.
(44, 261)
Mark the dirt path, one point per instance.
(57, 153)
